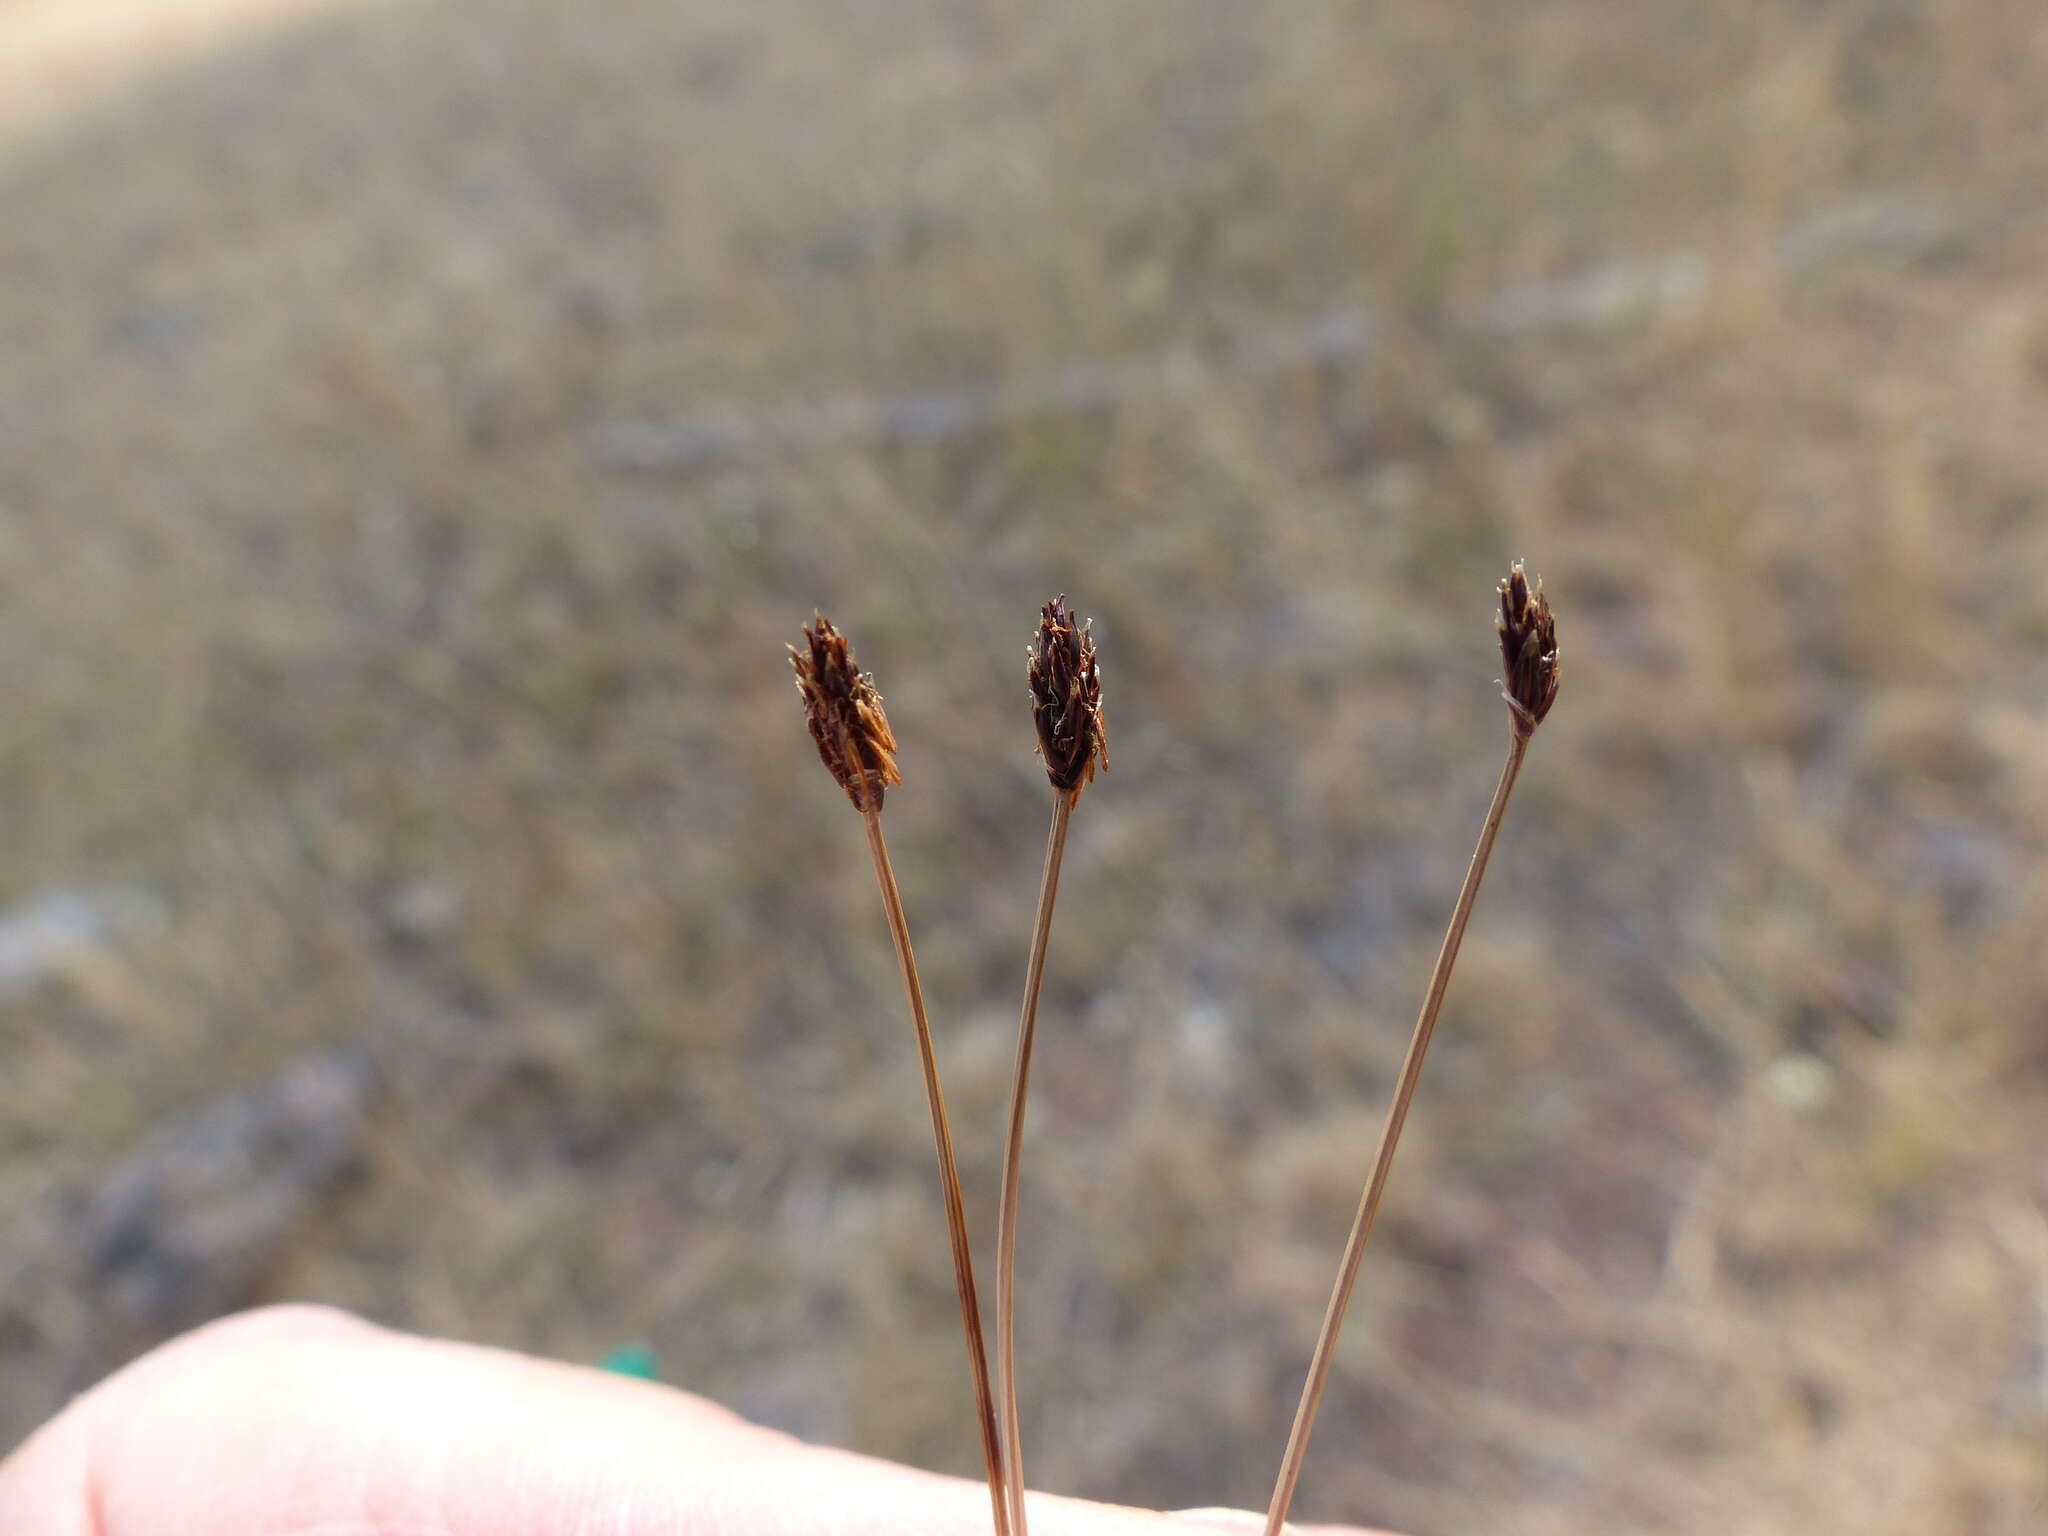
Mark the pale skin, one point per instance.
(299, 1421)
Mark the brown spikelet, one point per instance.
(845, 716)
(1066, 698)
(1528, 649)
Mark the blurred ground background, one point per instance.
(422, 425)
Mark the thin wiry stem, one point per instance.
(1013, 1163)
(949, 1173)
(1383, 1160)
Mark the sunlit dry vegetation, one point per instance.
(422, 424)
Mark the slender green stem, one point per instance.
(1013, 1163)
(1383, 1160)
(949, 1173)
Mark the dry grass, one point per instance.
(418, 728)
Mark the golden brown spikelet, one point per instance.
(845, 715)
(1066, 698)
(1528, 649)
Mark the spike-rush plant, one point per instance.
(1066, 704)
(1528, 645)
(853, 739)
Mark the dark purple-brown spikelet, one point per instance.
(845, 716)
(1528, 649)
(1066, 698)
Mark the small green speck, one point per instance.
(636, 1359)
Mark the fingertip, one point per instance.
(1242, 1522)
(1245, 1522)
(283, 1323)
(46, 1484)
(290, 1416)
